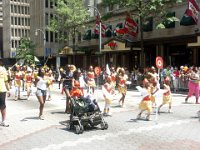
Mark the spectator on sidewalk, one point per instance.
(4, 86)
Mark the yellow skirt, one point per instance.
(167, 99)
(108, 101)
(146, 105)
(153, 100)
(91, 83)
(17, 82)
(28, 84)
(122, 89)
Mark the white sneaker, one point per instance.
(5, 124)
(41, 117)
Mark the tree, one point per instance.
(143, 9)
(69, 16)
(25, 51)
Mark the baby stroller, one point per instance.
(85, 113)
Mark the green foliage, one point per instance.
(25, 51)
(69, 16)
(146, 8)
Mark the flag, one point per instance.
(187, 20)
(119, 30)
(193, 10)
(36, 59)
(108, 70)
(103, 27)
(130, 27)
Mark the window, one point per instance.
(187, 21)
(46, 19)
(51, 36)
(167, 23)
(87, 35)
(108, 31)
(47, 36)
(79, 36)
(46, 3)
(148, 24)
(56, 37)
(51, 4)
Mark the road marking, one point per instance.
(113, 135)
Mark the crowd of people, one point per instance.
(72, 81)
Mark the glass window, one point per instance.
(46, 3)
(46, 18)
(51, 36)
(47, 36)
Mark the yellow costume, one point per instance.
(167, 98)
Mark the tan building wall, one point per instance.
(41, 11)
(16, 25)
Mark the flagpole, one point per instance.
(100, 34)
(100, 27)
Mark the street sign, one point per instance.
(97, 70)
(159, 62)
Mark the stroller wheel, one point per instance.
(106, 125)
(77, 129)
(81, 129)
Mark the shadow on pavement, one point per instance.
(30, 118)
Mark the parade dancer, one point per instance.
(122, 87)
(29, 77)
(108, 92)
(167, 96)
(17, 82)
(145, 104)
(113, 77)
(50, 79)
(90, 79)
(193, 85)
(154, 84)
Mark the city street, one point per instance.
(178, 130)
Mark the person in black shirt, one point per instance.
(67, 83)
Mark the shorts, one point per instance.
(40, 92)
(2, 100)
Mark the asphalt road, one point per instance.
(175, 131)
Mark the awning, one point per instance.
(66, 51)
(196, 44)
(115, 45)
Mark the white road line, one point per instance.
(113, 135)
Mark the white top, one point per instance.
(41, 84)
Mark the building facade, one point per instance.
(177, 43)
(16, 25)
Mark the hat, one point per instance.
(72, 68)
(61, 69)
(29, 69)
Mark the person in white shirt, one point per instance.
(41, 92)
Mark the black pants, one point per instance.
(2, 100)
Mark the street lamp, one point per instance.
(95, 8)
(44, 39)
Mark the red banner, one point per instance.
(193, 10)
